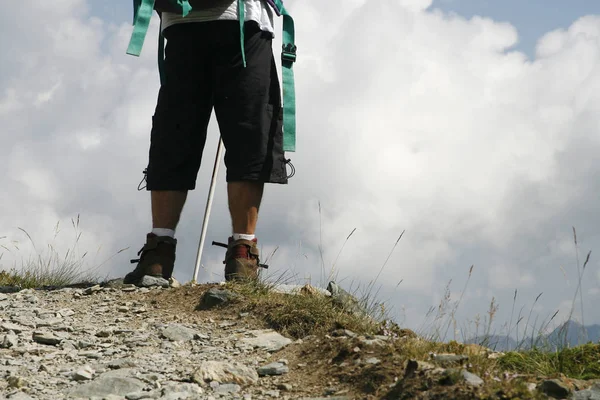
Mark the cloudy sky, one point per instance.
(470, 125)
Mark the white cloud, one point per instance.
(408, 120)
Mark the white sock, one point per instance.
(238, 236)
(164, 232)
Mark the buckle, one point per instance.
(288, 52)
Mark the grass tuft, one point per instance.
(304, 314)
(48, 267)
(579, 362)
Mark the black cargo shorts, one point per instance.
(204, 70)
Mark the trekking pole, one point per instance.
(211, 194)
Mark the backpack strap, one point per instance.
(142, 14)
(242, 20)
(288, 57)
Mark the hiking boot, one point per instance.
(157, 258)
(241, 260)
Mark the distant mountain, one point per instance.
(569, 334)
(494, 342)
(572, 333)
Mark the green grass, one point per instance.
(308, 313)
(581, 362)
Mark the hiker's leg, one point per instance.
(244, 202)
(248, 110)
(179, 127)
(180, 122)
(166, 208)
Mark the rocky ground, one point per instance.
(124, 342)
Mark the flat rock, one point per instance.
(275, 368)
(151, 281)
(228, 388)
(9, 289)
(449, 358)
(84, 374)
(46, 338)
(178, 333)
(104, 386)
(471, 379)
(268, 340)
(20, 396)
(7, 326)
(176, 391)
(223, 372)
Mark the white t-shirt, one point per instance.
(256, 10)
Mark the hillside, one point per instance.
(239, 342)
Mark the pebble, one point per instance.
(276, 368)
(471, 378)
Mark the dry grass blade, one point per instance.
(387, 259)
(340, 252)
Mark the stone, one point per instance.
(326, 398)
(554, 388)
(66, 312)
(84, 374)
(345, 300)
(414, 366)
(20, 396)
(152, 281)
(592, 393)
(92, 290)
(9, 289)
(176, 391)
(446, 359)
(268, 340)
(471, 379)
(343, 333)
(275, 368)
(46, 338)
(122, 363)
(224, 372)
(16, 382)
(9, 340)
(228, 388)
(285, 387)
(531, 387)
(153, 394)
(216, 297)
(104, 386)
(7, 326)
(176, 332)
